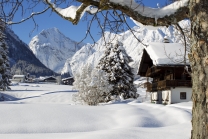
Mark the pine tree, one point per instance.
(115, 62)
(4, 61)
(112, 79)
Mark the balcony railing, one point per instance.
(166, 84)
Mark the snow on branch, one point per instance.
(167, 15)
(152, 12)
(73, 13)
(145, 15)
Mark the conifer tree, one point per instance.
(112, 79)
(4, 61)
(115, 62)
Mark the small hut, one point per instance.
(68, 81)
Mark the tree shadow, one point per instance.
(24, 90)
(59, 92)
(8, 97)
(12, 98)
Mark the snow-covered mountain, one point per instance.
(53, 48)
(21, 58)
(92, 53)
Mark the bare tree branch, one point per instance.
(185, 48)
(129, 10)
(31, 16)
(179, 15)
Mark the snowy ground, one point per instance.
(46, 111)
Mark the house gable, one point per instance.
(161, 56)
(145, 63)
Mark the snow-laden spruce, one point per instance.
(93, 86)
(115, 62)
(4, 63)
(111, 80)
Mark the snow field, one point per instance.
(46, 111)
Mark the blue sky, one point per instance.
(75, 32)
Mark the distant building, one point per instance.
(68, 81)
(171, 82)
(19, 78)
(31, 78)
(50, 79)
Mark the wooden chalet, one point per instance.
(68, 81)
(171, 82)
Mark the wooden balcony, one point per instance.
(166, 84)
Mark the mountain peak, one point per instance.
(51, 32)
(21, 59)
(53, 48)
(53, 29)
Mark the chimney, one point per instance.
(166, 40)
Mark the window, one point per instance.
(183, 95)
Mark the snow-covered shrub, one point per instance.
(93, 86)
(99, 86)
(115, 62)
(81, 81)
(58, 80)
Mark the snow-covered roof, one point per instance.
(50, 77)
(46, 77)
(166, 53)
(19, 76)
(68, 78)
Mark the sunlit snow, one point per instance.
(47, 111)
(166, 53)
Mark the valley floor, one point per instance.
(46, 111)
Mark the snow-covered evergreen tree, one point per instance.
(112, 79)
(4, 61)
(93, 86)
(115, 62)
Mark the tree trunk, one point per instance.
(199, 64)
